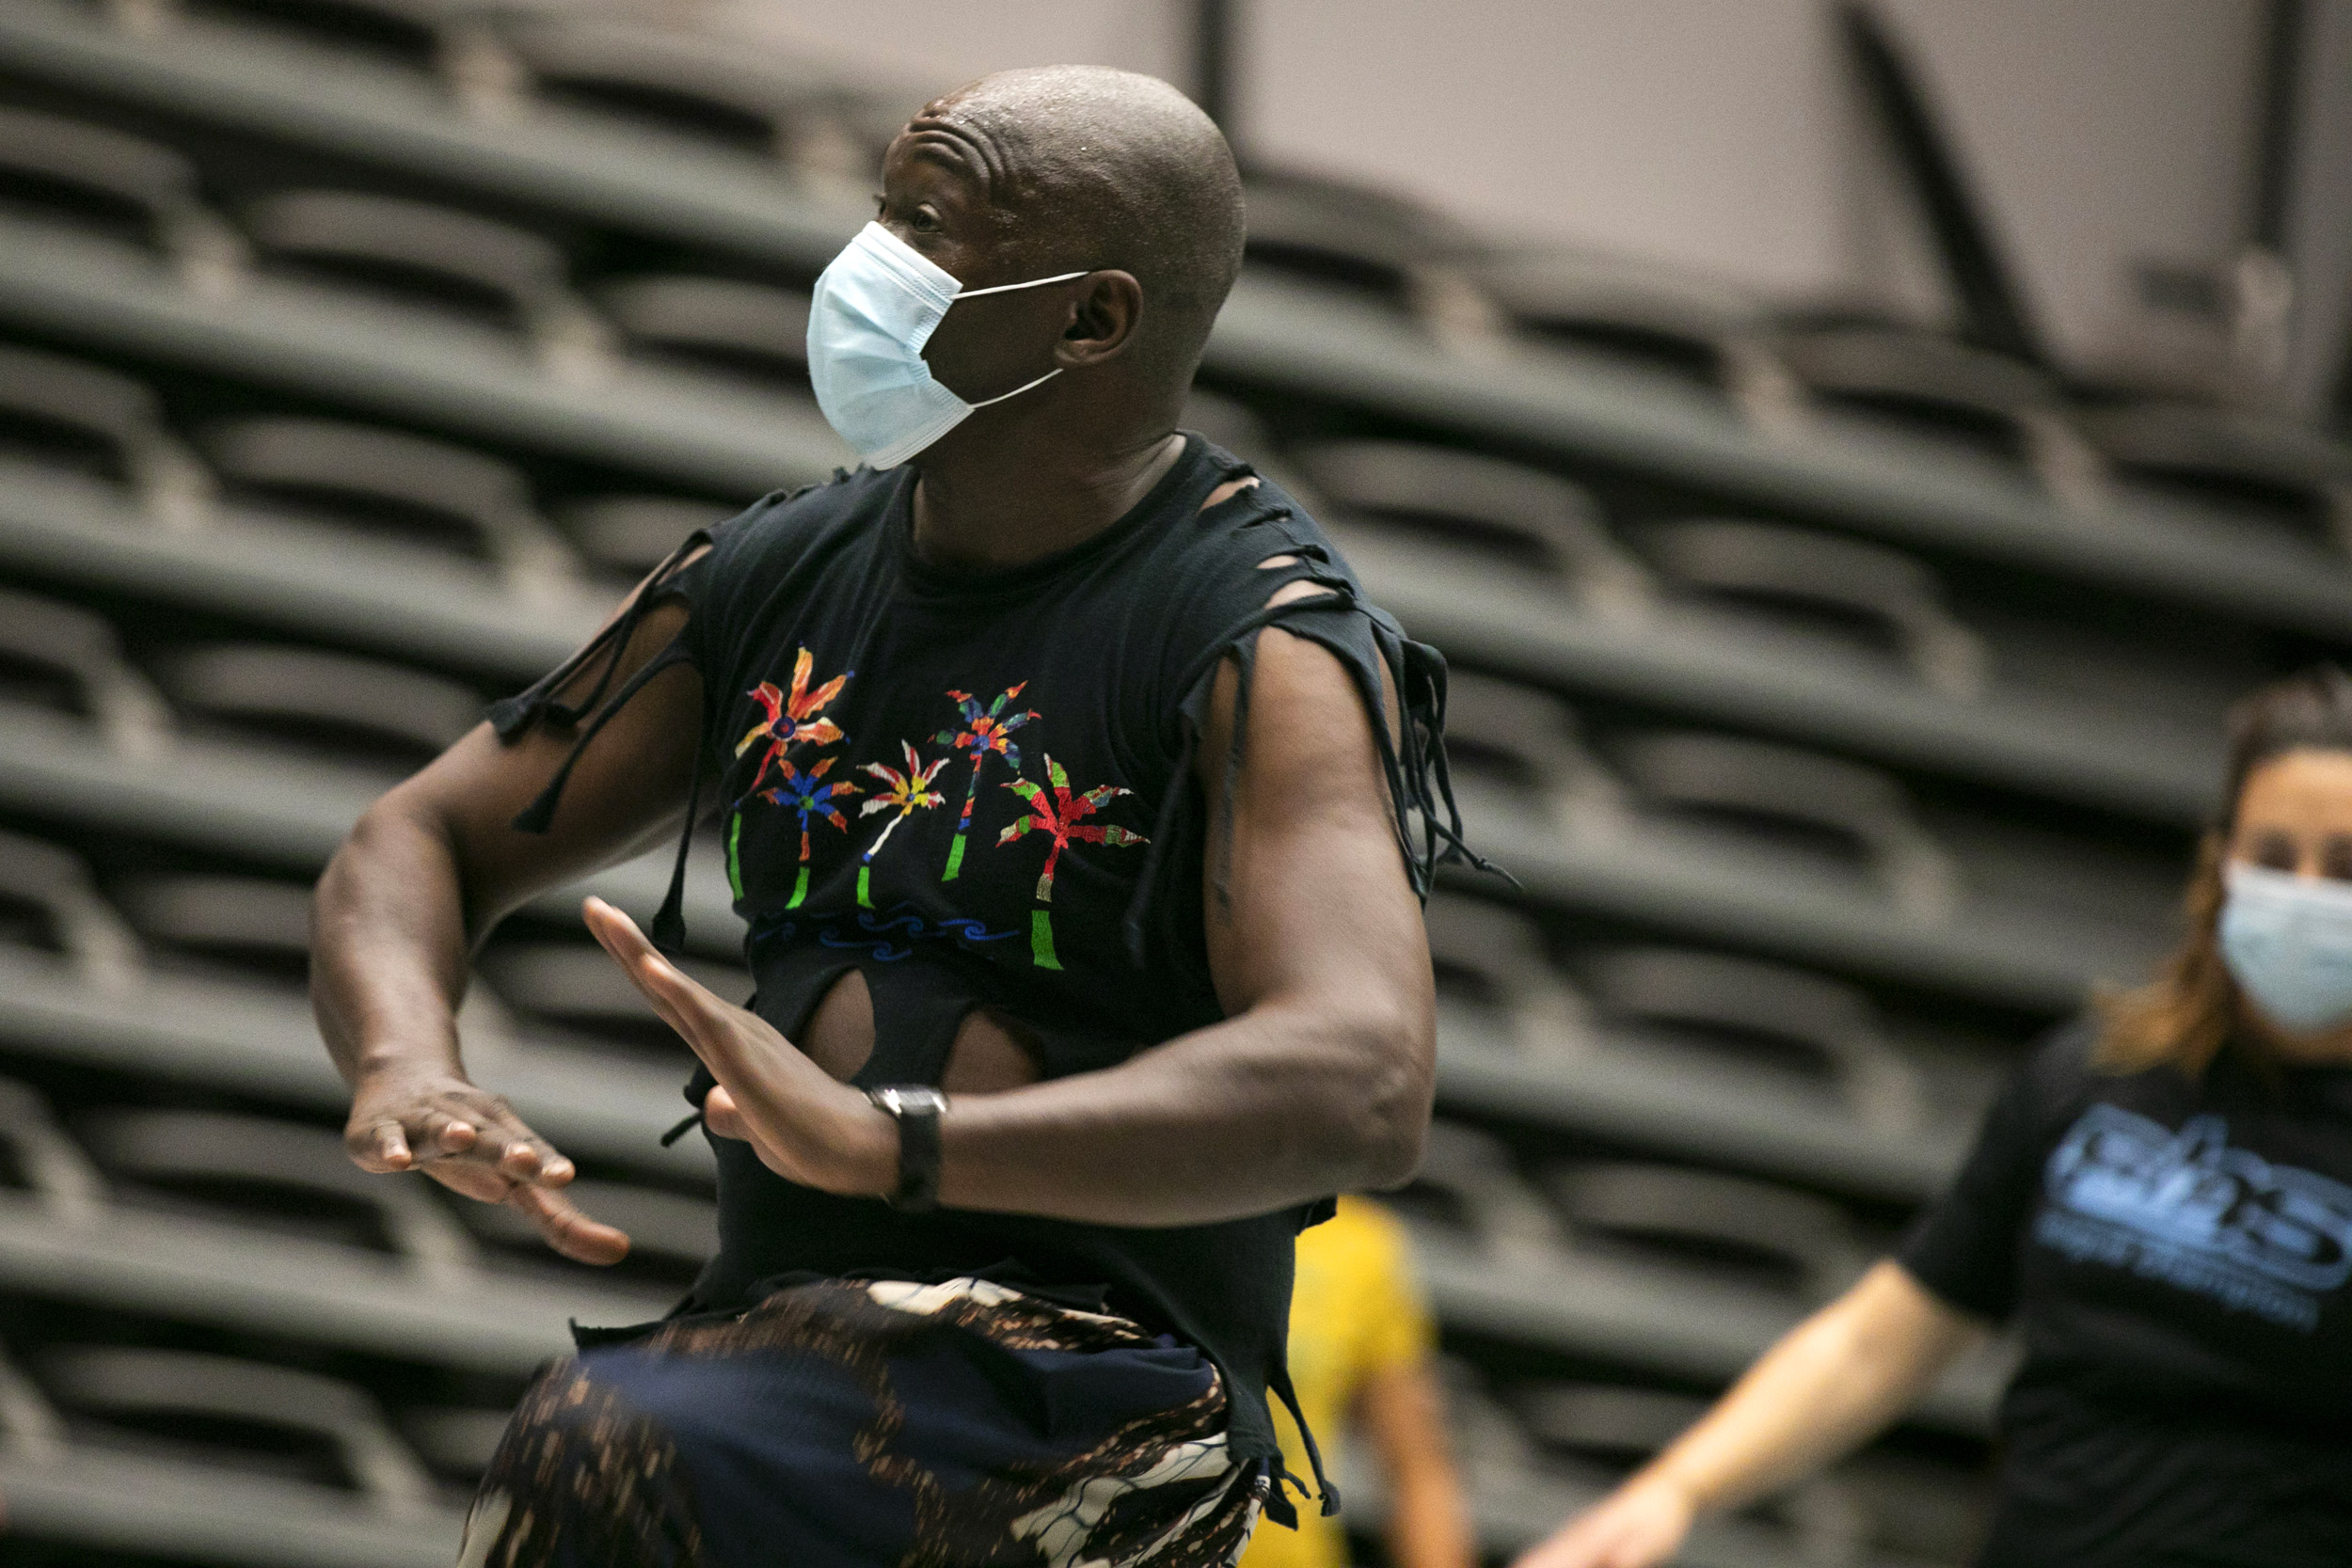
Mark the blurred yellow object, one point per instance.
(1355, 1312)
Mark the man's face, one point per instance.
(937, 199)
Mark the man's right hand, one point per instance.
(1638, 1524)
(431, 866)
(473, 1142)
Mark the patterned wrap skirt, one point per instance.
(863, 1423)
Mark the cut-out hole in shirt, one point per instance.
(993, 1050)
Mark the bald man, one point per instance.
(1078, 806)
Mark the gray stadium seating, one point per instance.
(633, 534)
(2281, 481)
(1889, 597)
(437, 256)
(733, 327)
(1952, 393)
(377, 481)
(80, 418)
(1712, 1220)
(108, 179)
(1739, 781)
(1516, 511)
(62, 657)
(1693, 330)
(1772, 1016)
(69, 916)
(327, 705)
(1839, 697)
(691, 89)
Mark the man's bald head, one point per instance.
(1086, 167)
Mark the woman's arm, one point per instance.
(1402, 1409)
(1829, 1384)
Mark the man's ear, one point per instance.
(1104, 319)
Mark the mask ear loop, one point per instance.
(1008, 288)
(1005, 289)
(1023, 388)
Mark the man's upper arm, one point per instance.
(627, 790)
(1316, 904)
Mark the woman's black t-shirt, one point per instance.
(975, 789)
(2175, 1252)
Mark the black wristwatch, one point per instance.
(915, 1108)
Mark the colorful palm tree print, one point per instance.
(904, 793)
(983, 732)
(792, 718)
(802, 792)
(1062, 816)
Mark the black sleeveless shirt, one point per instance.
(977, 790)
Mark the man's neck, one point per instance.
(989, 504)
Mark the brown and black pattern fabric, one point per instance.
(954, 1425)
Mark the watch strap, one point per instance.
(916, 1110)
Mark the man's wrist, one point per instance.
(866, 1150)
(417, 1035)
(406, 1062)
(405, 1059)
(914, 1110)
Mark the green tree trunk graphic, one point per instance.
(1061, 818)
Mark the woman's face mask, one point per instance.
(2287, 941)
(875, 307)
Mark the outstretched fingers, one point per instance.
(380, 1146)
(567, 1229)
(446, 1123)
(701, 1018)
(771, 1090)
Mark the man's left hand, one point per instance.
(805, 1126)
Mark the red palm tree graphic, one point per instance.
(983, 733)
(792, 717)
(904, 793)
(1063, 815)
(801, 793)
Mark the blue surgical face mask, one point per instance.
(2287, 941)
(875, 307)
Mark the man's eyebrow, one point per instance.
(973, 149)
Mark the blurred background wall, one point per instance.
(1718, 135)
(1840, 640)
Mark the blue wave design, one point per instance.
(971, 930)
(888, 936)
(913, 923)
(882, 951)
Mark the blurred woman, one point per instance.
(1363, 1358)
(2161, 1202)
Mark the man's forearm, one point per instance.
(1306, 1091)
(1281, 1104)
(389, 950)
